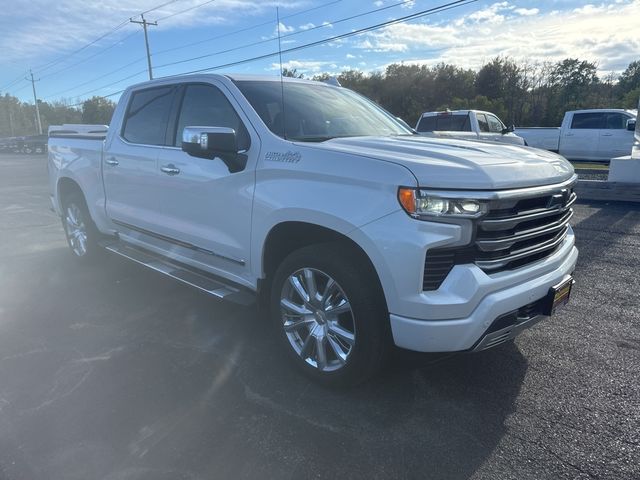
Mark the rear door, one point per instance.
(129, 163)
(615, 140)
(580, 139)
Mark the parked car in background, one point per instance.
(467, 125)
(595, 134)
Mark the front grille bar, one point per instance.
(512, 221)
(503, 261)
(506, 242)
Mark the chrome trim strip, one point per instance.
(506, 242)
(491, 224)
(178, 242)
(500, 262)
(502, 194)
(500, 336)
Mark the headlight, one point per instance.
(421, 203)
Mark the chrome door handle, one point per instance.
(170, 169)
(607, 134)
(111, 161)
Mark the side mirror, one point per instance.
(212, 142)
(508, 129)
(631, 124)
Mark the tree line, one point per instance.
(520, 93)
(19, 118)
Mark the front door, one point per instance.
(615, 139)
(202, 207)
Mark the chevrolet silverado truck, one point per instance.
(467, 125)
(358, 233)
(595, 134)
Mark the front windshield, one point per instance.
(317, 112)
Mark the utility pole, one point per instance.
(35, 100)
(144, 24)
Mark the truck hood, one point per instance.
(460, 164)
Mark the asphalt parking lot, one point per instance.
(115, 372)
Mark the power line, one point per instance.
(185, 10)
(99, 52)
(260, 42)
(413, 16)
(242, 30)
(423, 13)
(64, 57)
(171, 49)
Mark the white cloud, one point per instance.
(607, 34)
(282, 28)
(306, 26)
(303, 66)
(349, 56)
(37, 31)
(378, 3)
(527, 12)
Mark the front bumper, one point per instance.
(470, 332)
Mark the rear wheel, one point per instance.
(82, 234)
(329, 314)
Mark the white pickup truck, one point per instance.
(467, 125)
(358, 233)
(596, 134)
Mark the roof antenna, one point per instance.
(284, 123)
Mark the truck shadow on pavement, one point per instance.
(126, 374)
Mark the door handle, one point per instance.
(607, 134)
(170, 169)
(111, 161)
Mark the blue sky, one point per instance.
(46, 37)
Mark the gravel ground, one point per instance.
(115, 372)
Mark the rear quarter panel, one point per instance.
(80, 160)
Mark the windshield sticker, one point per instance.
(288, 157)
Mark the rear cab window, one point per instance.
(445, 123)
(588, 121)
(147, 116)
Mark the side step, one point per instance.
(196, 278)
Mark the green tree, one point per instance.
(97, 110)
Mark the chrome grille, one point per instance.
(521, 227)
(519, 231)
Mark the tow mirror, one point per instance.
(631, 124)
(212, 142)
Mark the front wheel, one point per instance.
(329, 314)
(82, 234)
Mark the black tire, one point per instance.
(368, 315)
(75, 205)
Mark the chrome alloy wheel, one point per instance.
(76, 230)
(317, 319)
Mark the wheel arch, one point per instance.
(288, 236)
(65, 187)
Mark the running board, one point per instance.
(195, 278)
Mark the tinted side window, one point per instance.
(495, 125)
(147, 116)
(206, 106)
(615, 121)
(482, 122)
(587, 121)
(427, 124)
